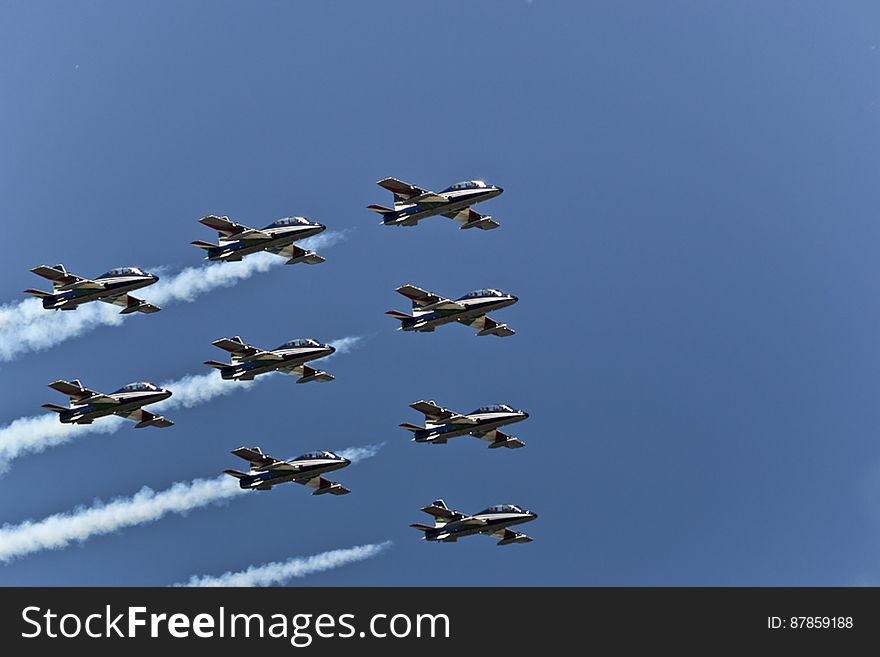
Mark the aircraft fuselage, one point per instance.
(293, 357)
(233, 250)
(428, 321)
(485, 422)
(85, 413)
(457, 200)
(116, 286)
(494, 521)
(266, 479)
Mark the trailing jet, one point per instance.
(412, 204)
(288, 358)
(307, 469)
(237, 240)
(441, 424)
(451, 525)
(71, 291)
(87, 405)
(430, 311)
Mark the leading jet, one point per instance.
(412, 204)
(441, 424)
(288, 358)
(451, 525)
(266, 471)
(237, 240)
(71, 291)
(430, 310)
(87, 405)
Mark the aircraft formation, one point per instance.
(429, 311)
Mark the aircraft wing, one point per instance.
(62, 279)
(256, 457)
(439, 415)
(485, 325)
(472, 219)
(428, 300)
(73, 389)
(295, 254)
(508, 536)
(146, 419)
(131, 304)
(439, 510)
(307, 374)
(237, 347)
(400, 188)
(496, 438)
(224, 226)
(322, 486)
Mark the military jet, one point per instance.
(441, 424)
(430, 311)
(307, 469)
(71, 291)
(412, 204)
(288, 358)
(237, 240)
(87, 405)
(451, 525)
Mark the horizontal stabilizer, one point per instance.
(411, 427)
(217, 364)
(55, 407)
(424, 528)
(205, 245)
(396, 314)
(39, 293)
(236, 474)
(381, 209)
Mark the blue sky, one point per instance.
(688, 220)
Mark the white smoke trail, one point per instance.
(279, 572)
(32, 435)
(26, 327)
(355, 454)
(61, 529)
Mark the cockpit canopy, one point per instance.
(124, 271)
(503, 508)
(467, 184)
(494, 408)
(311, 456)
(300, 342)
(290, 221)
(476, 294)
(139, 386)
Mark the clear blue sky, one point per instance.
(689, 220)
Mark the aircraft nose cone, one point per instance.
(514, 297)
(525, 415)
(499, 190)
(331, 349)
(346, 461)
(533, 514)
(166, 394)
(321, 226)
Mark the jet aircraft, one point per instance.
(266, 471)
(430, 310)
(87, 405)
(288, 358)
(237, 240)
(441, 424)
(71, 291)
(412, 204)
(451, 525)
